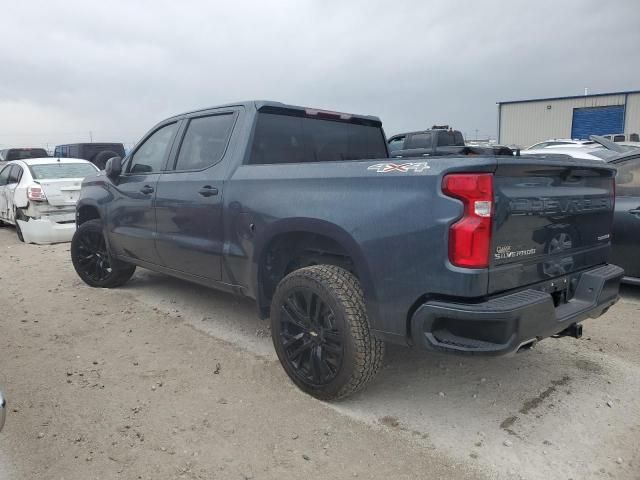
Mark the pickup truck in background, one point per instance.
(345, 248)
(438, 141)
(96, 153)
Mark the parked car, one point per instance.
(39, 196)
(3, 406)
(560, 142)
(626, 220)
(594, 152)
(623, 137)
(96, 153)
(345, 248)
(9, 154)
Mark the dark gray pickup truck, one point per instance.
(346, 249)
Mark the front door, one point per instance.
(189, 199)
(131, 217)
(626, 222)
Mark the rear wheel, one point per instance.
(321, 333)
(92, 261)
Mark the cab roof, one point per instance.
(260, 105)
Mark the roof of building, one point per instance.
(627, 92)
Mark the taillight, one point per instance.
(35, 193)
(470, 237)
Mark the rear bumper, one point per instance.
(44, 230)
(631, 281)
(502, 325)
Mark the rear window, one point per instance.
(291, 139)
(62, 170)
(23, 153)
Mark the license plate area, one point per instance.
(561, 289)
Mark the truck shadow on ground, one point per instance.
(415, 390)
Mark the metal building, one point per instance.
(524, 122)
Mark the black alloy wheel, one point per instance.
(321, 333)
(311, 339)
(91, 258)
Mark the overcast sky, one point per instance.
(117, 67)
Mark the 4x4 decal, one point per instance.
(400, 167)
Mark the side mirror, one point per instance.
(113, 167)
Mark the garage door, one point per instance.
(597, 121)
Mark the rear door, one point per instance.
(189, 233)
(626, 222)
(552, 218)
(131, 219)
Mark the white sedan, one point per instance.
(39, 197)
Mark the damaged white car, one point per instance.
(39, 197)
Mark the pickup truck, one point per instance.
(344, 248)
(436, 142)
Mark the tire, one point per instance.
(92, 261)
(19, 232)
(330, 353)
(18, 215)
(100, 158)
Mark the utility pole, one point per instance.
(90, 136)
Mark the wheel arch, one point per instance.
(329, 237)
(86, 211)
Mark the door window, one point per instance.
(14, 175)
(396, 144)
(4, 175)
(628, 179)
(151, 155)
(204, 142)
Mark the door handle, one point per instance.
(147, 189)
(208, 191)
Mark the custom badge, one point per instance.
(416, 167)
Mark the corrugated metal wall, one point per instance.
(526, 123)
(632, 115)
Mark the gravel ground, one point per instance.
(164, 379)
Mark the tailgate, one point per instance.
(551, 218)
(61, 192)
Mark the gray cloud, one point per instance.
(117, 67)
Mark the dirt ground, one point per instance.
(164, 379)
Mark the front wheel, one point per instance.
(92, 261)
(321, 333)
